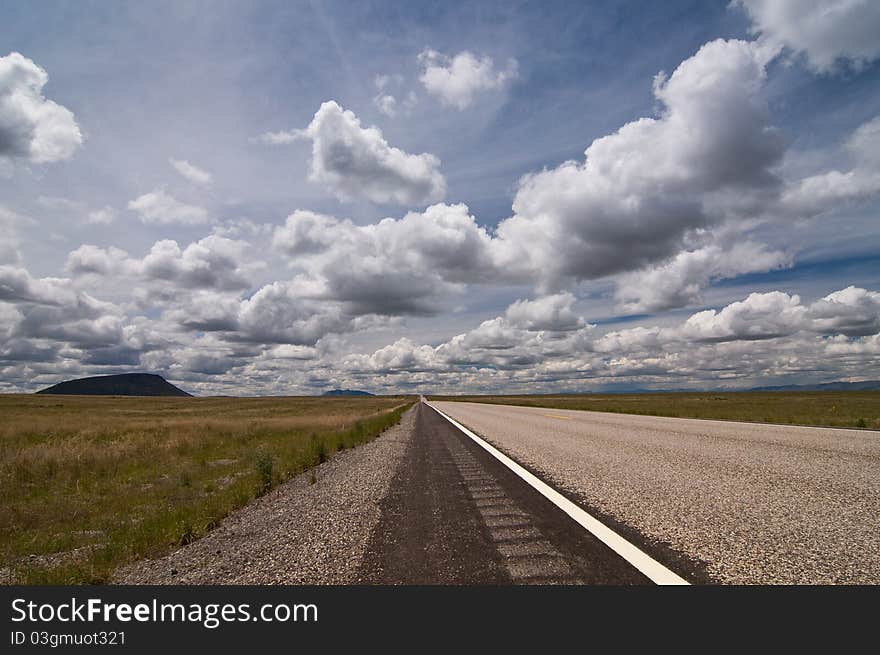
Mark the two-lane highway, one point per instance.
(455, 515)
(519, 495)
(753, 503)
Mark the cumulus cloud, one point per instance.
(709, 157)
(305, 232)
(825, 31)
(357, 162)
(456, 80)
(396, 266)
(553, 312)
(639, 206)
(92, 260)
(496, 334)
(191, 172)
(201, 358)
(680, 281)
(9, 318)
(638, 203)
(855, 349)
(830, 190)
(206, 311)
(32, 128)
(88, 323)
(159, 208)
(647, 205)
(275, 336)
(766, 335)
(17, 285)
(213, 262)
(52, 309)
(849, 312)
(401, 356)
(639, 339)
(760, 316)
(531, 334)
(204, 288)
(277, 313)
(653, 204)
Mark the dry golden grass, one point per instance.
(89, 483)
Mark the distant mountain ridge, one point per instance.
(346, 392)
(124, 384)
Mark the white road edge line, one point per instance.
(646, 564)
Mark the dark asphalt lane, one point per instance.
(455, 515)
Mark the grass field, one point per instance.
(849, 409)
(89, 483)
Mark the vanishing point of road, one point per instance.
(472, 493)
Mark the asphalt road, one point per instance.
(711, 501)
(421, 504)
(455, 515)
(714, 501)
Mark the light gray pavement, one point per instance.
(756, 503)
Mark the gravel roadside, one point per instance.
(299, 533)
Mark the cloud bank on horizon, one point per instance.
(704, 243)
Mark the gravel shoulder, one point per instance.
(756, 503)
(299, 533)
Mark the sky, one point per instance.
(283, 198)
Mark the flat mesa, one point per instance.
(125, 384)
